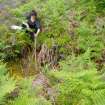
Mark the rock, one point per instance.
(41, 80)
(47, 91)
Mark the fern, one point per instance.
(28, 95)
(28, 100)
(83, 88)
(79, 82)
(7, 84)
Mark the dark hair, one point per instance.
(33, 13)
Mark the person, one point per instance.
(33, 24)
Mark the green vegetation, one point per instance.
(70, 65)
(7, 84)
(84, 87)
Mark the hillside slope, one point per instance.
(66, 63)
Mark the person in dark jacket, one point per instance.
(34, 24)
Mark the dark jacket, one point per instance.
(34, 25)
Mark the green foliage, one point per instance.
(14, 43)
(83, 87)
(88, 39)
(25, 99)
(100, 5)
(28, 95)
(77, 79)
(7, 84)
(54, 17)
(79, 63)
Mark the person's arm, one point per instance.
(38, 28)
(25, 25)
(37, 33)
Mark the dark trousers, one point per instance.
(31, 35)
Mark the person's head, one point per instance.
(33, 15)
